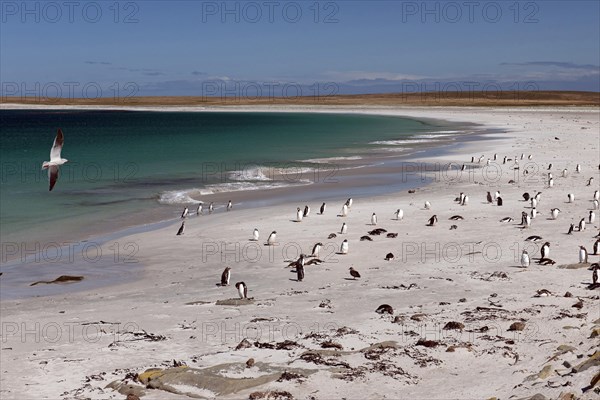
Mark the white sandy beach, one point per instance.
(72, 346)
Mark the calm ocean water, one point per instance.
(127, 162)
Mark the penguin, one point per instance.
(226, 276)
(504, 160)
(526, 196)
(581, 225)
(499, 201)
(596, 205)
(538, 196)
(427, 205)
(488, 162)
(255, 235)
(389, 257)
(525, 259)
(564, 173)
(271, 238)
(571, 228)
(550, 176)
(432, 221)
(399, 214)
(472, 159)
(571, 198)
(322, 209)
(530, 157)
(507, 219)
(550, 182)
(181, 228)
(527, 220)
(523, 217)
(229, 205)
(545, 251)
(495, 156)
(349, 202)
(489, 198)
(185, 212)
(374, 219)
(300, 268)
(242, 290)
(583, 255)
(306, 211)
(591, 217)
(456, 218)
(549, 166)
(459, 198)
(465, 201)
(533, 202)
(590, 181)
(597, 195)
(344, 210)
(463, 168)
(344, 229)
(595, 276)
(199, 209)
(554, 212)
(522, 155)
(316, 249)
(354, 273)
(211, 207)
(344, 247)
(578, 168)
(533, 238)
(596, 247)
(533, 213)
(299, 215)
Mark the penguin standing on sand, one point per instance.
(596, 247)
(465, 201)
(499, 201)
(242, 290)
(181, 228)
(349, 202)
(199, 209)
(306, 211)
(590, 181)
(271, 238)
(344, 210)
(344, 247)
(229, 205)
(525, 259)
(316, 249)
(300, 268)
(255, 235)
(322, 210)
(583, 255)
(185, 212)
(399, 214)
(211, 207)
(578, 168)
(591, 217)
(432, 221)
(597, 195)
(581, 225)
(299, 214)
(427, 205)
(374, 219)
(595, 276)
(489, 198)
(344, 229)
(571, 197)
(226, 276)
(545, 250)
(571, 229)
(554, 212)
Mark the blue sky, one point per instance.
(176, 47)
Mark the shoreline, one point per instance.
(177, 298)
(319, 179)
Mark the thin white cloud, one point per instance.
(340, 76)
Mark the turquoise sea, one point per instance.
(129, 166)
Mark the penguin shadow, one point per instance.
(339, 253)
(267, 244)
(294, 220)
(350, 279)
(252, 240)
(220, 284)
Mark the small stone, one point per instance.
(567, 364)
(250, 363)
(463, 300)
(517, 326)
(454, 325)
(568, 294)
(132, 396)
